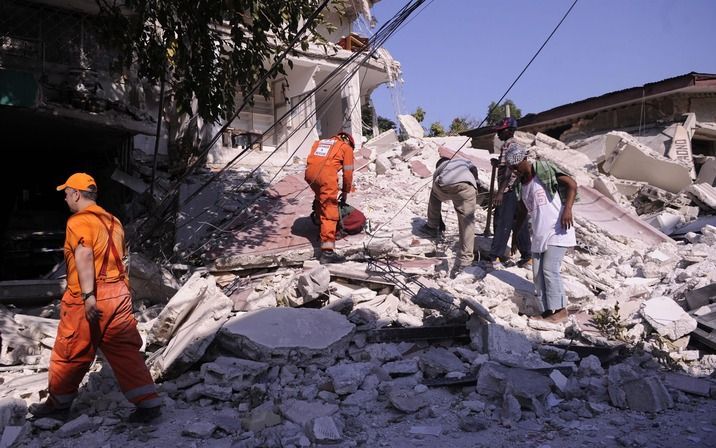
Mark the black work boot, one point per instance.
(329, 256)
(49, 409)
(145, 415)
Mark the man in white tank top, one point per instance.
(547, 195)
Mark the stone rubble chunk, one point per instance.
(261, 417)
(348, 377)
(426, 430)
(47, 424)
(302, 412)
(383, 352)
(473, 423)
(668, 318)
(151, 281)
(411, 126)
(402, 367)
(311, 285)
(590, 366)
(439, 361)
(187, 326)
(631, 389)
(688, 384)
(12, 412)
(11, 435)
(199, 430)
(406, 400)
(497, 340)
(324, 430)
(73, 427)
(234, 371)
(559, 380)
(383, 164)
(511, 410)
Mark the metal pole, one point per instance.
(159, 134)
(488, 222)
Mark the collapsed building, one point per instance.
(253, 343)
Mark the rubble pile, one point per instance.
(273, 349)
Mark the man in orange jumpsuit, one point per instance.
(326, 159)
(96, 310)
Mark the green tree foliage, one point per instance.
(495, 114)
(460, 124)
(385, 124)
(208, 47)
(419, 114)
(436, 130)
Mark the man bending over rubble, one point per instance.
(547, 195)
(454, 180)
(326, 159)
(96, 310)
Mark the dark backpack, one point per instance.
(352, 220)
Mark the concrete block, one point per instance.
(647, 395)
(707, 173)
(411, 126)
(310, 336)
(406, 400)
(688, 384)
(80, 424)
(680, 149)
(199, 430)
(704, 193)
(401, 368)
(151, 281)
(302, 412)
(668, 318)
(382, 164)
(419, 169)
(201, 319)
(347, 378)
(324, 430)
(383, 142)
(10, 435)
(438, 362)
(311, 285)
(496, 340)
(626, 158)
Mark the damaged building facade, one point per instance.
(60, 100)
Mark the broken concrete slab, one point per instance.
(192, 323)
(411, 126)
(497, 340)
(302, 412)
(438, 362)
(80, 424)
(312, 284)
(151, 281)
(406, 400)
(306, 336)
(668, 318)
(31, 292)
(704, 194)
(626, 158)
(419, 169)
(348, 377)
(324, 430)
(383, 142)
(631, 389)
(688, 384)
(235, 371)
(707, 173)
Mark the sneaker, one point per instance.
(145, 415)
(47, 409)
(329, 256)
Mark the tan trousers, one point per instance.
(463, 197)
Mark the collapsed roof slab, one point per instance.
(626, 158)
(287, 335)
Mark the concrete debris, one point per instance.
(151, 281)
(271, 348)
(411, 126)
(668, 318)
(306, 335)
(626, 158)
(187, 326)
(312, 284)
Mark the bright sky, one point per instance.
(458, 55)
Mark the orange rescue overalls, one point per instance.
(326, 159)
(115, 333)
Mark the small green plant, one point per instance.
(609, 323)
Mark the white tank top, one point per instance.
(545, 213)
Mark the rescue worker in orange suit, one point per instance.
(326, 159)
(96, 310)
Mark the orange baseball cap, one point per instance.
(78, 181)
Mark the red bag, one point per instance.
(352, 220)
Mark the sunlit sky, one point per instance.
(458, 55)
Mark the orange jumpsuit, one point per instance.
(326, 159)
(115, 333)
